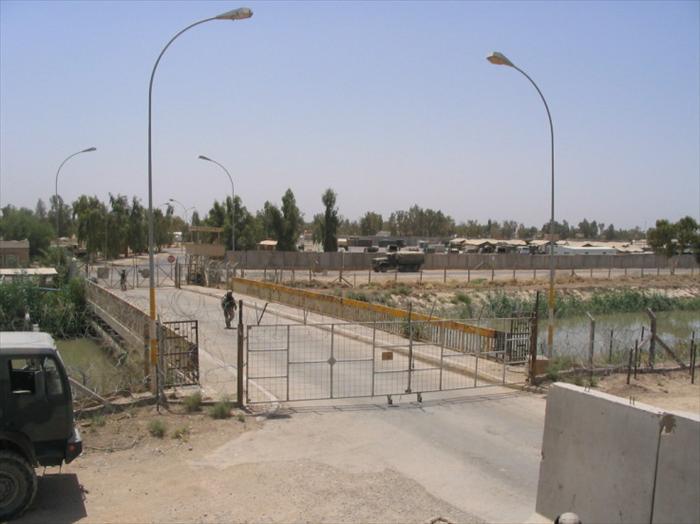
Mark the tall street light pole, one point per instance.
(236, 14)
(500, 59)
(58, 204)
(233, 201)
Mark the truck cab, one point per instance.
(36, 416)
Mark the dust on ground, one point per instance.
(126, 474)
(670, 390)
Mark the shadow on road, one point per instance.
(60, 499)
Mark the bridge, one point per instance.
(306, 346)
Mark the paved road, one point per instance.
(326, 358)
(477, 450)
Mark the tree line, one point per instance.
(119, 226)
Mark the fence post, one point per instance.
(533, 340)
(239, 360)
(652, 341)
(591, 344)
(693, 358)
(410, 347)
(611, 346)
(629, 362)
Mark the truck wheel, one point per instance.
(18, 485)
(382, 269)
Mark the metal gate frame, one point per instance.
(179, 352)
(408, 347)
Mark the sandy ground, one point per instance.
(668, 390)
(457, 459)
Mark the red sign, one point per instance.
(171, 259)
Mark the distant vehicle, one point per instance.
(399, 261)
(36, 416)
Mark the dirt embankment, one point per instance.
(667, 390)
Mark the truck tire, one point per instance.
(18, 485)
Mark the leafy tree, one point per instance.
(329, 222)
(292, 221)
(65, 215)
(91, 223)
(40, 210)
(662, 238)
(271, 221)
(137, 227)
(371, 223)
(20, 224)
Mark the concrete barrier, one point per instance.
(609, 461)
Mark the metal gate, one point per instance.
(517, 340)
(179, 353)
(346, 360)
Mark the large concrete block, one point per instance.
(599, 460)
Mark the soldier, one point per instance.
(228, 304)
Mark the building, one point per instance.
(14, 253)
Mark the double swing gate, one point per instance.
(346, 360)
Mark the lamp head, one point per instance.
(499, 59)
(89, 150)
(237, 14)
(202, 157)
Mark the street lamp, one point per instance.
(500, 59)
(58, 205)
(235, 14)
(233, 201)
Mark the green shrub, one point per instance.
(182, 433)
(99, 420)
(157, 428)
(220, 410)
(193, 402)
(240, 417)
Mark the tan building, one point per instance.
(14, 253)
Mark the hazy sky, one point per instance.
(388, 103)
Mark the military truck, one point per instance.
(400, 261)
(36, 416)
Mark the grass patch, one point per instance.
(98, 421)
(240, 417)
(182, 433)
(220, 410)
(157, 428)
(357, 295)
(193, 402)
(557, 365)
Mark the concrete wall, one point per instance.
(599, 460)
(358, 261)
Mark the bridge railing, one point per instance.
(454, 335)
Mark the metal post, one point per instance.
(331, 360)
(693, 359)
(239, 364)
(410, 347)
(442, 353)
(652, 341)
(533, 339)
(374, 350)
(636, 357)
(611, 347)
(288, 347)
(591, 344)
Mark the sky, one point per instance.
(390, 104)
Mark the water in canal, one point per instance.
(90, 364)
(571, 335)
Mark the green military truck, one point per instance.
(36, 416)
(399, 260)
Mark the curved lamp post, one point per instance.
(233, 201)
(58, 205)
(236, 14)
(500, 59)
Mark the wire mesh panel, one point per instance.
(343, 360)
(179, 352)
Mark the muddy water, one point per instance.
(619, 331)
(90, 364)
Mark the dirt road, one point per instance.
(470, 458)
